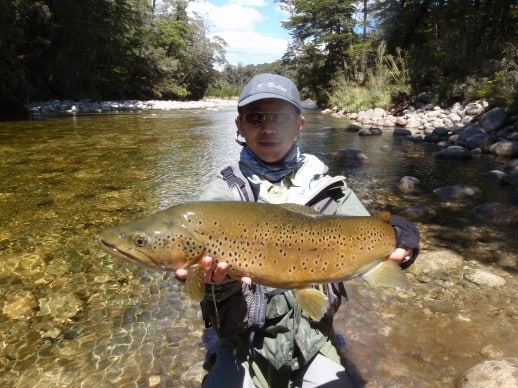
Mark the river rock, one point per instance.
(485, 278)
(419, 212)
(453, 153)
(19, 305)
(440, 260)
(508, 148)
(510, 179)
(351, 156)
(409, 185)
(501, 373)
(400, 132)
(511, 166)
(193, 376)
(61, 307)
(352, 128)
(496, 174)
(469, 131)
(493, 119)
(458, 192)
(372, 131)
(491, 352)
(495, 213)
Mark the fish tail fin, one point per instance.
(387, 274)
(194, 286)
(312, 301)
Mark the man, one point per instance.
(263, 338)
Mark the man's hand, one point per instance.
(400, 255)
(214, 274)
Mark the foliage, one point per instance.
(388, 77)
(502, 87)
(322, 37)
(104, 49)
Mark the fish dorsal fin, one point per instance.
(312, 301)
(194, 286)
(300, 209)
(386, 274)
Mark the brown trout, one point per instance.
(281, 246)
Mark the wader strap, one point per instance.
(239, 187)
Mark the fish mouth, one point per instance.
(140, 259)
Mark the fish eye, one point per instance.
(140, 240)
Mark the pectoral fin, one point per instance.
(312, 301)
(387, 274)
(194, 286)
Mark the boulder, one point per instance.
(453, 153)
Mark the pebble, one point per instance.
(484, 278)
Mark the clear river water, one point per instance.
(72, 316)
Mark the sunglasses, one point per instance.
(256, 119)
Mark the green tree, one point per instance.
(323, 36)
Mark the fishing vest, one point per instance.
(237, 310)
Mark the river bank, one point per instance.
(87, 106)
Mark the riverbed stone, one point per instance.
(502, 373)
(61, 307)
(453, 153)
(351, 156)
(510, 179)
(491, 352)
(485, 278)
(458, 192)
(19, 305)
(352, 128)
(512, 165)
(508, 148)
(471, 130)
(439, 260)
(493, 119)
(400, 132)
(419, 212)
(495, 213)
(409, 185)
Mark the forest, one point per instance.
(348, 53)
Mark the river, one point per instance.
(73, 316)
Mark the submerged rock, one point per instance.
(485, 278)
(495, 213)
(20, 305)
(493, 373)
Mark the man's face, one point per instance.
(269, 136)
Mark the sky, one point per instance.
(251, 28)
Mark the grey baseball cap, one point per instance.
(266, 85)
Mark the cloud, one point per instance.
(250, 28)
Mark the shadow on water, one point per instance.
(74, 316)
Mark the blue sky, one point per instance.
(252, 29)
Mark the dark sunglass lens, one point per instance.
(255, 118)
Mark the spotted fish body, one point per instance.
(282, 246)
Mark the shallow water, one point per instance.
(73, 316)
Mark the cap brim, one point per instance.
(263, 96)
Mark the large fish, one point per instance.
(281, 246)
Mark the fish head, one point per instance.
(156, 242)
